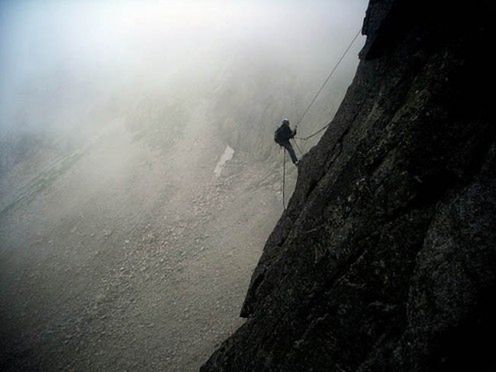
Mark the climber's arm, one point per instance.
(293, 133)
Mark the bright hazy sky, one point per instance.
(48, 47)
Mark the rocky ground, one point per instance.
(131, 257)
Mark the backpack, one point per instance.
(278, 134)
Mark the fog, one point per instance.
(60, 60)
(139, 178)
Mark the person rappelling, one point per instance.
(282, 136)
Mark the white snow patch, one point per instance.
(226, 156)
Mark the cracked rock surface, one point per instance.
(385, 259)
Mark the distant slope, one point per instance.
(386, 257)
(130, 253)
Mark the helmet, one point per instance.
(285, 121)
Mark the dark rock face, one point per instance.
(385, 259)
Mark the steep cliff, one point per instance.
(385, 259)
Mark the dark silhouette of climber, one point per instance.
(282, 136)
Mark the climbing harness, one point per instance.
(333, 70)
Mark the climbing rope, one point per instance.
(283, 177)
(306, 111)
(333, 70)
(314, 133)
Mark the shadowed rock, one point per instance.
(385, 259)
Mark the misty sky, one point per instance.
(59, 58)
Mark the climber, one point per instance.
(282, 136)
